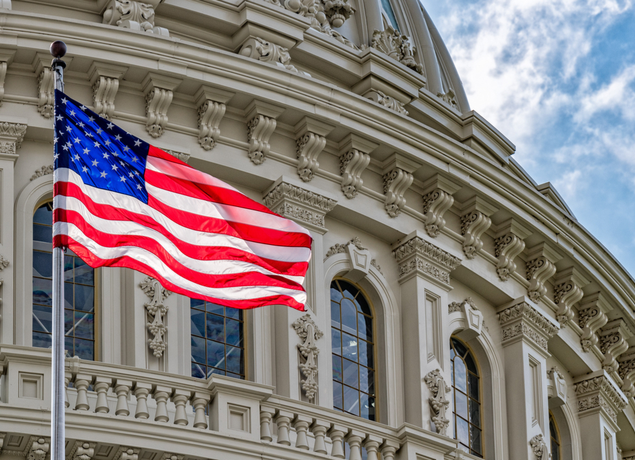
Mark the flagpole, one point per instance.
(58, 445)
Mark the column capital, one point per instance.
(11, 137)
(597, 393)
(418, 257)
(520, 321)
(296, 203)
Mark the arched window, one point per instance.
(554, 434)
(218, 345)
(79, 292)
(354, 387)
(466, 386)
(389, 14)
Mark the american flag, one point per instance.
(121, 202)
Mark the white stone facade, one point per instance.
(364, 135)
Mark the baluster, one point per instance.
(180, 399)
(141, 392)
(161, 395)
(336, 433)
(101, 387)
(283, 420)
(301, 424)
(81, 383)
(319, 429)
(388, 450)
(354, 440)
(266, 414)
(122, 389)
(372, 444)
(199, 402)
(67, 379)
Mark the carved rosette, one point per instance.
(438, 401)
(612, 342)
(396, 182)
(419, 257)
(567, 292)
(539, 447)
(83, 450)
(157, 311)
(626, 372)
(591, 317)
(296, 203)
(386, 101)
(352, 164)
(597, 393)
(397, 46)
(134, 15)
(309, 333)
(308, 148)
(523, 322)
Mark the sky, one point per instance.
(557, 78)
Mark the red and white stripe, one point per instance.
(197, 235)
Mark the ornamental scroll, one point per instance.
(157, 311)
(308, 331)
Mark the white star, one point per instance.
(95, 162)
(64, 101)
(56, 156)
(118, 137)
(115, 167)
(110, 126)
(135, 159)
(84, 169)
(91, 119)
(126, 148)
(55, 140)
(76, 157)
(72, 113)
(69, 129)
(76, 140)
(139, 186)
(65, 147)
(96, 144)
(80, 124)
(86, 151)
(122, 178)
(88, 134)
(122, 164)
(136, 172)
(68, 144)
(106, 156)
(130, 174)
(115, 154)
(59, 118)
(99, 131)
(103, 174)
(137, 143)
(107, 142)
(83, 107)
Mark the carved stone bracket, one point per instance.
(541, 260)
(397, 175)
(508, 244)
(211, 106)
(104, 78)
(387, 101)
(354, 157)
(6, 57)
(474, 222)
(303, 206)
(567, 292)
(83, 450)
(127, 453)
(626, 372)
(437, 199)
(521, 321)
(159, 91)
(556, 388)
(264, 51)
(438, 401)
(134, 15)
(612, 338)
(360, 258)
(591, 317)
(260, 127)
(539, 447)
(417, 256)
(308, 331)
(37, 448)
(449, 98)
(310, 135)
(397, 46)
(11, 137)
(597, 393)
(157, 311)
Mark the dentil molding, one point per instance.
(521, 321)
(437, 199)
(309, 333)
(508, 244)
(157, 311)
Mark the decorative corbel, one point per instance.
(308, 331)
(83, 450)
(626, 372)
(104, 79)
(568, 286)
(437, 199)
(508, 244)
(127, 453)
(37, 448)
(539, 447)
(157, 311)
(337, 12)
(211, 104)
(310, 138)
(556, 388)
(354, 157)
(541, 260)
(264, 51)
(397, 175)
(45, 83)
(591, 317)
(159, 91)
(438, 401)
(475, 220)
(6, 57)
(613, 337)
(261, 124)
(133, 15)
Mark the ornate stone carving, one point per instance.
(308, 148)
(4, 263)
(437, 199)
(46, 93)
(539, 447)
(337, 12)
(157, 311)
(540, 267)
(474, 222)
(134, 15)
(3, 74)
(612, 338)
(43, 171)
(387, 101)
(11, 137)
(508, 244)
(259, 130)
(262, 50)
(626, 372)
(184, 157)
(104, 79)
(352, 164)
(597, 392)
(438, 402)
(299, 204)
(556, 387)
(357, 258)
(159, 91)
(127, 453)
(591, 318)
(567, 292)
(396, 182)
(211, 103)
(522, 321)
(397, 46)
(37, 448)
(416, 255)
(308, 331)
(83, 450)
(449, 98)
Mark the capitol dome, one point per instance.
(456, 308)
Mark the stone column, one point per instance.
(11, 136)
(424, 276)
(599, 402)
(525, 333)
(298, 203)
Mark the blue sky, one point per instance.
(557, 77)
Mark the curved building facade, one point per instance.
(457, 309)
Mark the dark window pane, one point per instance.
(198, 371)
(68, 296)
(42, 264)
(84, 273)
(41, 340)
(475, 413)
(336, 341)
(461, 431)
(233, 313)
(460, 375)
(235, 376)
(364, 406)
(351, 400)
(68, 345)
(371, 408)
(198, 322)
(351, 373)
(366, 380)
(197, 303)
(459, 347)
(366, 353)
(42, 319)
(337, 395)
(473, 386)
(68, 268)
(216, 309)
(336, 295)
(215, 354)
(337, 368)
(84, 298)
(84, 325)
(84, 349)
(44, 214)
(365, 324)
(471, 365)
(68, 322)
(198, 350)
(42, 233)
(349, 316)
(349, 347)
(475, 440)
(215, 328)
(460, 404)
(335, 314)
(362, 305)
(235, 360)
(233, 332)
(42, 291)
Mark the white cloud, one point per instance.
(569, 184)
